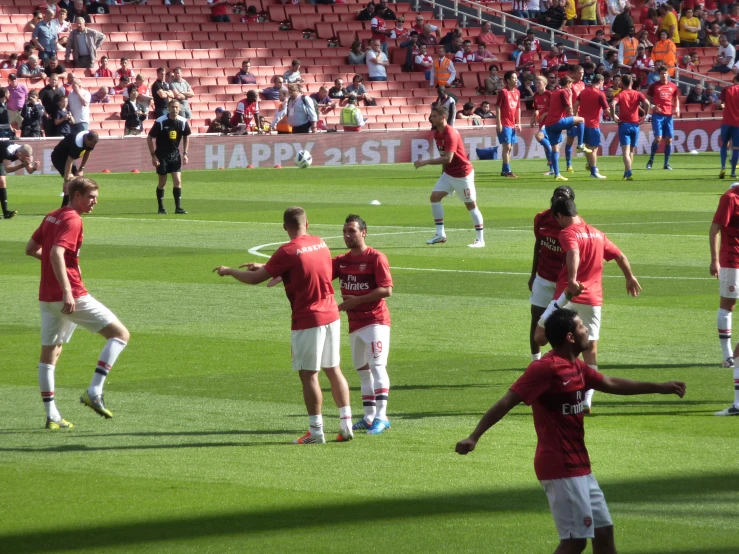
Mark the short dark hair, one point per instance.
(468, 106)
(441, 110)
(563, 191)
(564, 81)
(354, 218)
(92, 135)
(597, 79)
(565, 207)
(246, 61)
(558, 325)
(294, 217)
(626, 79)
(493, 66)
(162, 69)
(508, 74)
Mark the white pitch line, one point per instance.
(483, 272)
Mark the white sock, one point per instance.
(536, 356)
(46, 384)
(108, 356)
(368, 394)
(477, 222)
(345, 415)
(723, 323)
(736, 388)
(438, 212)
(382, 389)
(316, 424)
(589, 393)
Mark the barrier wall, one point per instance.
(213, 152)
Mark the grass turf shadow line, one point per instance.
(84, 448)
(160, 433)
(529, 499)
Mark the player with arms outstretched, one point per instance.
(729, 103)
(590, 105)
(71, 148)
(554, 388)
(457, 175)
(508, 114)
(365, 281)
(629, 102)
(12, 158)
(664, 98)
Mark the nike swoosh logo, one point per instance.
(566, 382)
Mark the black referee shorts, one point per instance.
(171, 163)
(60, 162)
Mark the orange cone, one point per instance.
(135, 171)
(249, 166)
(106, 170)
(278, 166)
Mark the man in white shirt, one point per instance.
(376, 62)
(79, 106)
(726, 55)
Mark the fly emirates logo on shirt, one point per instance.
(311, 248)
(351, 283)
(575, 408)
(551, 244)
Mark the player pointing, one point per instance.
(457, 175)
(364, 277)
(664, 98)
(554, 387)
(13, 157)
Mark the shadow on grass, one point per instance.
(654, 366)
(159, 433)
(433, 387)
(62, 448)
(254, 522)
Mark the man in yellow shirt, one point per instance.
(689, 28)
(587, 15)
(669, 23)
(570, 12)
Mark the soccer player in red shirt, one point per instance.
(365, 280)
(577, 131)
(590, 105)
(541, 105)
(548, 262)
(629, 101)
(729, 102)
(554, 387)
(664, 97)
(457, 175)
(65, 302)
(508, 114)
(580, 283)
(304, 266)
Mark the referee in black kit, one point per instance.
(168, 131)
(71, 148)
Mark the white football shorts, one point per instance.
(463, 186)
(316, 347)
(370, 345)
(542, 292)
(590, 316)
(57, 328)
(729, 279)
(578, 506)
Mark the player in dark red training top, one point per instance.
(555, 387)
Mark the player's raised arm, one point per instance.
(616, 385)
(249, 277)
(713, 241)
(497, 412)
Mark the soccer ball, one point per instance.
(303, 159)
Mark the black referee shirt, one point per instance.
(168, 134)
(71, 146)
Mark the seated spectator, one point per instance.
(27, 53)
(53, 66)
(694, 59)
(377, 62)
(31, 69)
(428, 37)
(293, 75)
(650, 25)
(356, 54)
(486, 35)
(412, 47)
(132, 115)
(588, 73)
(125, 69)
(367, 13)
(449, 38)
(245, 76)
(686, 63)
(614, 41)
(384, 12)
(10, 63)
(101, 96)
(103, 70)
(338, 92)
(600, 37)
(465, 55)
(420, 27)
(711, 93)
(62, 26)
(33, 114)
(493, 83)
(424, 62)
(221, 123)
(83, 44)
(400, 31)
(616, 85)
(358, 88)
(97, 8)
(725, 57)
(219, 11)
(518, 50)
(63, 119)
(553, 81)
(611, 61)
(251, 15)
(555, 17)
(351, 118)
(554, 61)
(35, 20)
(482, 54)
(323, 101)
(689, 26)
(483, 112)
(643, 66)
(247, 113)
(78, 10)
(121, 87)
(448, 101)
(527, 58)
(698, 96)
(468, 113)
(273, 92)
(527, 90)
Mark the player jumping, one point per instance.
(23, 158)
(729, 103)
(664, 98)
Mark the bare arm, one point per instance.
(626, 387)
(573, 264)
(351, 302)
(83, 163)
(632, 285)
(60, 272)
(497, 412)
(185, 145)
(444, 159)
(534, 264)
(713, 241)
(33, 249)
(250, 277)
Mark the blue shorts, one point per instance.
(575, 130)
(628, 134)
(730, 133)
(592, 136)
(554, 132)
(508, 136)
(662, 125)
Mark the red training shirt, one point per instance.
(551, 257)
(730, 98)
(62, 227)
(248, 110)
(304, 264)
(727, 216)
(360, 275)
(555, 388)
(541, 103)
(629, 101)
(592, 104)
(594, 247)
(509, 102)
(449, 140)
(577, 89)
(558, 102)
(664, 96)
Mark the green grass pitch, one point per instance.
(198, 457)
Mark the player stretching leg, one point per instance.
(729, 103)
(304, 265)
(547, 264)
(508, 114)
(585, 248)
(590, 105)
(541, 103)
(364, 276)
(457, 175)
(664, 98)
(168, 130)
(69, 149)
(23, 156)
(65, 303)
(578, 131)
(554, 387)
(629, 102)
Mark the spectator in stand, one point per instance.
(377, 62)
(221, 122)
(493, 83)
(669, 23)
(6, 131)
(714, 36)
(428, 37)
(183, 92)
(642, 67)
(448, 40)
(705, 25)
(132, 115)
(553, 81)
(301, 112)
(38, 16)
(555, 17)
(711, 93)
(48, 96)
(443, 73)
(338, 92)
(486, 35)
(31, 69)
(686, 63)
(53, 66)
(554, 61)
(643, 38)
(350, 117)
(17, 97)
(424, 62)
(247, 113)
(420, 27)
(412, 47)
(358, 88)
(448, 101)
(465, 55)
(651, 26)
(588, 14)
(293, 75)
(45, 36)
(611, 61)
(251, 15)
(588, 73)
(125, 69)
(161, 93)
(468, 113)
(483, 112)
(273, 92)
(62, 26)
(570, 12)
(356, 54)
(482, 54)
(77, 10)
(527, 58)
(101, 96)
(690, 26)
(627, 48)
(380, 31)
(399, 31)
(245, 76)
(323, 101)
(140, 85)
(33, 116)
(103, 70)
(219, 11)
(10, 63)
(520, 9)
(623, 22)
(615, 7)
(600, 37)
(279, 120)
(725, 58)
(83, 44)
(27, 53)
(367, 13)
(384, 12)
(63, 119)
(527, 90)
(79, 106)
